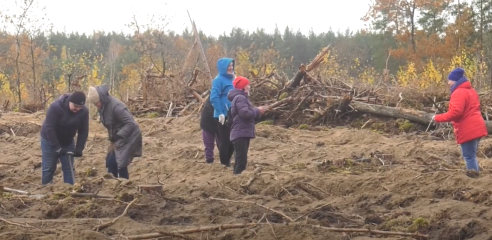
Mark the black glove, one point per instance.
(62, 152)
(77, 153)
(114, 138)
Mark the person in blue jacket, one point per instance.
(221, 86)
(66, 117)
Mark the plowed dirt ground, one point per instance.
(333, 177)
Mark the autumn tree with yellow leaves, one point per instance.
(411, 43)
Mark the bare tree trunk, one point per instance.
(17, 67)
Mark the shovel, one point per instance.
(70, 159)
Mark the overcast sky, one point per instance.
(214, 17)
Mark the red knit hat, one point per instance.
(240, 82)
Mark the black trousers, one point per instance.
(226, 148)
(112, 166)
(241, 147)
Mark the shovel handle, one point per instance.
(70, 153)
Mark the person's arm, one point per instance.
(215, 94)
(122, 114)
(83, 132)
(52, 117)
(455, 111)
(244, 109)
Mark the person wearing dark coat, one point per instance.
(66, 117)
(210, 130)
(123, 131)
(243, 116)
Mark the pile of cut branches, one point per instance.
(302, 100)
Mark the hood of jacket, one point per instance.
(103, 91)
(63, 102)
(235, 92)
(222, 66)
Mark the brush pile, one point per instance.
(302, 100)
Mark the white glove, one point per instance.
(221, 119)
(433, 118)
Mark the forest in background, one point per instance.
(410, 43)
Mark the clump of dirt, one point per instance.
(386, 177)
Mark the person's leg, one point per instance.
(240, 154)
(123, 173)
(49, 158)
(230, 151)
(469, 152)
(111, 164)
(208, 141)
(67, 161)
(225, 151)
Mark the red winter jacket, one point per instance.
(464, 113)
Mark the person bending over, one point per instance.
(65, 117)
(123, 131)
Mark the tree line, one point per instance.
(411, 41)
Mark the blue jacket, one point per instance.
(221, 86)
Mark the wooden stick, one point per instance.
(257, 204)
(6, 189)
(255, 173)
(107, 224)
(15, 223)
(93, 195)
(364, 230)
(192, 230)
(234, 226)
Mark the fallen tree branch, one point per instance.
(364, 230)
(409, 114)
(93, 195)
(192, 230)
(257, 204)
(107, 224)
(25, 225)
(179, 233)
(256, 173)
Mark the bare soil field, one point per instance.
(299, 184)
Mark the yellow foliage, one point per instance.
(368, 75)
(61, 85)
(96, 77)
(24, 91)
(63, 54)
(6, 92)
(331, 67)
(431, 76)
(464, 62)
(407, 76)
(130, 81)
(243, 64)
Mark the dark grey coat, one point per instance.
(118, 120)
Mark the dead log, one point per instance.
(296, 81)
(393, 112)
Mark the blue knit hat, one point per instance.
(456, 74)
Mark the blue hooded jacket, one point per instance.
(221, 86)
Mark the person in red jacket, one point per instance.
(464, 113)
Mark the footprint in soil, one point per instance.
(54, 212)
(176, 220)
